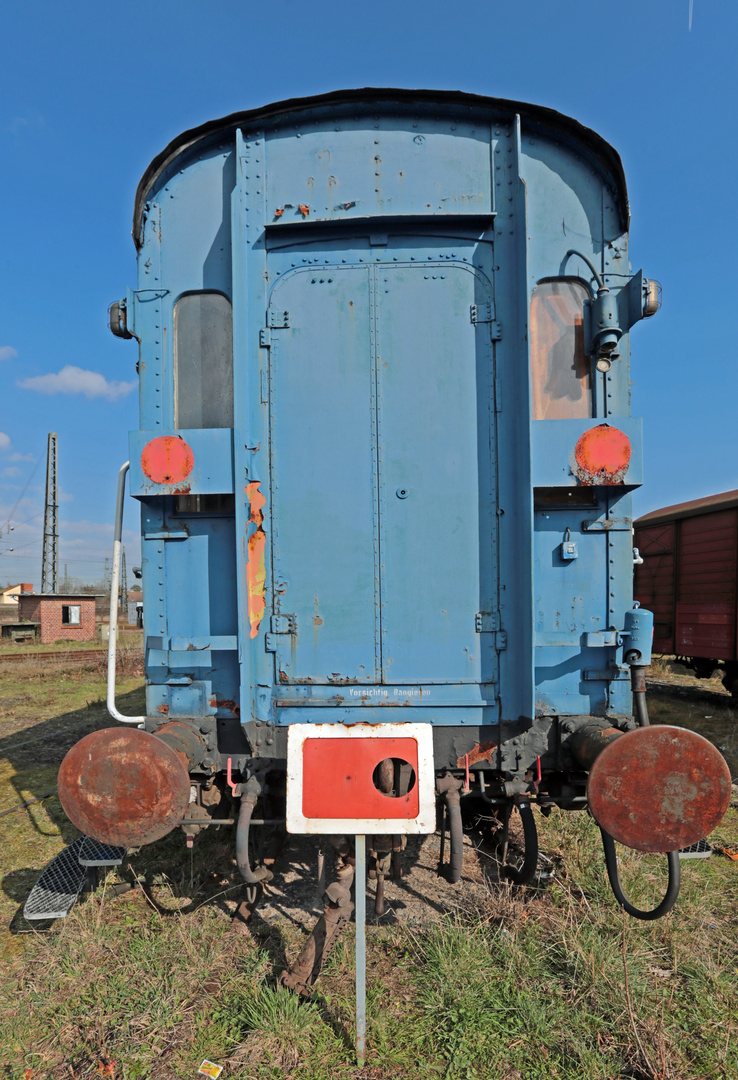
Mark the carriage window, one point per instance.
(203, 361)
(560, 372)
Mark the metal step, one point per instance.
(95, 853)
(56, 891)
(700, 850)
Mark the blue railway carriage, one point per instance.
(384, 462)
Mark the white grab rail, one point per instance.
(114, 586)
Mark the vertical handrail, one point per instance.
(114, 586)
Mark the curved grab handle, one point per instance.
(114, 586)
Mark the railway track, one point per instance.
(75, 656)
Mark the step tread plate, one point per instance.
(95, 853)
(56, 891)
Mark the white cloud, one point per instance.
(75, 380)
(7, 352)
(12, 471)
(17, 456)
(4, 441)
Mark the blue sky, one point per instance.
(91, 91)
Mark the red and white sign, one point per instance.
(331, 779)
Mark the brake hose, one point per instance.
(672, 888)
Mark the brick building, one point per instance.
(59, 616)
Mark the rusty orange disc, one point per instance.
(603, 452)
(167, 459)
(659, 788)
(123, 786)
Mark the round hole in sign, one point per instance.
(394, 777)
(402, 493)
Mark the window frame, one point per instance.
(563, 279)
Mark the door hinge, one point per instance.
(481, 313)
(500, 640)
(265, 337)
(486, 622)
(278, 320)
(280, 624)
(284, 624)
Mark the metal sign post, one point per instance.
(360, 887)
(334, 788)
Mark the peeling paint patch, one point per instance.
(256, 567)
(602, 456)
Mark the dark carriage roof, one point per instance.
(725, 500)
(537, 114)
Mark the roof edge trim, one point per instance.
(227, 124)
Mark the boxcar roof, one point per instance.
(537, 114)
(723, 501)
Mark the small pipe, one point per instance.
(672, 888)
(114, 585)
(638, 686)
(246, 809)
(229, 779)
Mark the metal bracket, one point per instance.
(265, 337)
(601, 639)
(618, 672)
(278, 320)
(284, 624)
(500, 640)
(607, 525)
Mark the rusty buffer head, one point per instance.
(659, 788)
(124, 787)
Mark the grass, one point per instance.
(513, 984)
(129, 636)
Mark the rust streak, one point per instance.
(479, 752)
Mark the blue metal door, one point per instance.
(384, 471)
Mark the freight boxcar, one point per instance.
(689, 579)
(384, 463)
